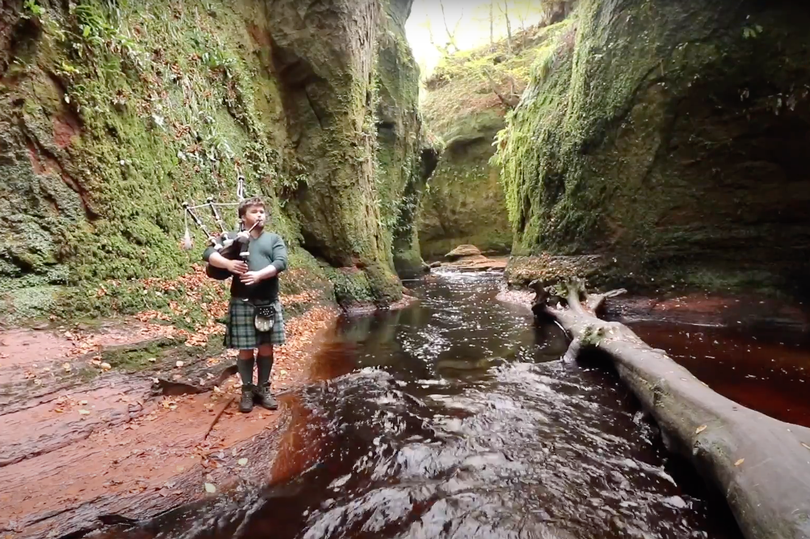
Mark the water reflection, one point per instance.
(454, 418)
(768, 371)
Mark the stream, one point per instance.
(456, 418)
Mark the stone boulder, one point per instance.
(463, 251)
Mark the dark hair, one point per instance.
(249, 203)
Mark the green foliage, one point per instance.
(751, 31)
(528, 179)
(591, 337)
(31, 9)
(396, 147)
(169, 108)
(467, 83)
(597, 158)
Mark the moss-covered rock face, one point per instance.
(404, 156)
(110, 119)
(464, 203)
(671, 137)
(466, 100)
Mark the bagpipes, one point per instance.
(232, 248)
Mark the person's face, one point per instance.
(253, 215)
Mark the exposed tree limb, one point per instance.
(217, 417)
(491, 24)
(451, 36)
(510, 101)
(760, 464)
(444, 49)
(505, 11)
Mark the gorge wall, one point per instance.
(113, 114)
(464, 203)
(669, 137)
(467, 100)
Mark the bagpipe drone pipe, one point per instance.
(232, 245)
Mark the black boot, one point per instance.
(264, 397)
(246, 402)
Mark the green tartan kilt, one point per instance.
(241, 333)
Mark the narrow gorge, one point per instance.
(546, 282)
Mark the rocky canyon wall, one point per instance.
(114, 113)
(669, 138)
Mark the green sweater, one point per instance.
(267, 249)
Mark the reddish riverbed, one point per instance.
(752, 351)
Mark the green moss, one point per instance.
(135, 359)
(465, 202)
(399, 143)
(30, 302)
(128, 112)
(351, 286)
(136, 111)
(627, 143)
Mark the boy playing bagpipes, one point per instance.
(255, 319)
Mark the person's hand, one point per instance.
(251, 277)
(237, 267)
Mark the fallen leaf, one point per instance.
(210, 488)
(84, 412)
(739, 462)
(242, 462)
(700, 429)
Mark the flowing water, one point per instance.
(456, 418)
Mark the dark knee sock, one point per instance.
(245, 368)
(265, 364)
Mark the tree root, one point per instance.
(760, 464)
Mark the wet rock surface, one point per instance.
(102, 440)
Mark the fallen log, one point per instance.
(761, 465)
